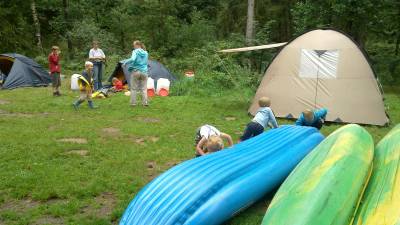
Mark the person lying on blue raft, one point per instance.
(312, 118)
(263, 118)
(208, 139)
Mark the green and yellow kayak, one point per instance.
(381, 203)
(326, 187)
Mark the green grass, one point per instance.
(41, 182)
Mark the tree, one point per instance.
(250, 22)
(37, 25)
(68, 26)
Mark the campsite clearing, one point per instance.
(43, 184)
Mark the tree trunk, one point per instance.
(289, 24)
(66, 18)
(396, 52)
(122, 36)
(37, 25)
(250, 22)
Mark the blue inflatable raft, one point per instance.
(212, 188)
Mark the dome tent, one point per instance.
(21, 71)
(156, 71)
(323, 68)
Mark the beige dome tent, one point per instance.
(323, 68)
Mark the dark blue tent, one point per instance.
(156, 71)
(21, 71)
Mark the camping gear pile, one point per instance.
(158, 82)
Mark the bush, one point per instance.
(214, 72)
(385, 62)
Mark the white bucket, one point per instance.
(163, 87)
(74, 82)
(150, 87)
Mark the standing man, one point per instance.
(97, 57)
(55, 70)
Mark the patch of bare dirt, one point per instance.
(139, 141)
(107, 202)
(142, 140)
(3, 102)
(152, 170)
(153, 138)
(103, 207)
(78, 152)
(151, 165)
(172, 163)
(148, 119)
(19, 206)
(111, 131)
(6, 113)
(73, 140)
(230, 118)
(151, 176)
(49, 220)
(45, 114)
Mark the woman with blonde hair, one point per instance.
(137, 67)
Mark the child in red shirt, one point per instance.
(55, 70)
(117, 84)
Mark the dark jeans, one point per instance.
(253, 129)
(318, 124)
(97, 75)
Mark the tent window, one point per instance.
(318, 63)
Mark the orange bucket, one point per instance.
(163, 92)
(151, 92)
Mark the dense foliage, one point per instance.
(185, 34)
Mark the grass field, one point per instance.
(60, 166)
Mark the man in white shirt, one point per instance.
(97, 57)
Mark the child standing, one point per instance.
(55, 70)
(208, 139)
(312, 118)
(263, 117)
(85, 82)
